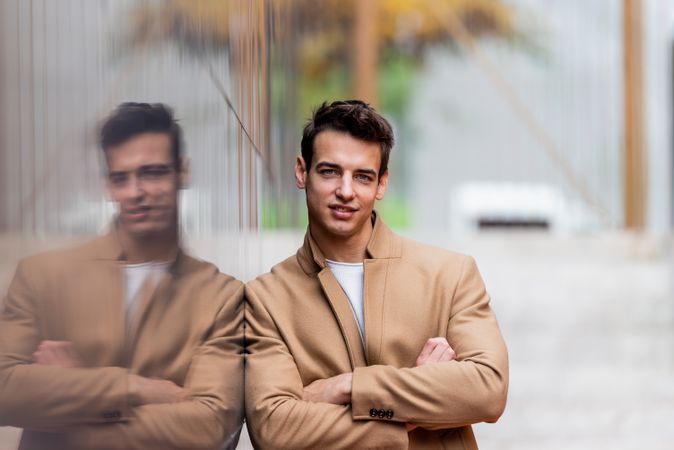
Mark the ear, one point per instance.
(300, 173)
(184, 173)
(381, 187)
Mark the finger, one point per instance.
(50, 344)
(55, 353)
(309, 391)
(50, 349)
(47, 356)
(44, 345)
(72, 355)
(447, 355)
(45, 353)
(437, 352)
(59, 350)
(428, 348)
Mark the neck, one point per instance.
(350, 249)
(151, 247)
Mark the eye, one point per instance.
(328, 172)
(118, 178)
(154, 173)
(363, 178)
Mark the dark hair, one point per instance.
(131, 119)
(355, 117)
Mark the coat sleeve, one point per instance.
(472, 388)
(276, 415)
(211, 419)
(45, 397)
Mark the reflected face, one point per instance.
(342, 184)
(144, 182)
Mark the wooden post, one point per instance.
(635, 174)
(365, 51)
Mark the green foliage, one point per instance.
(274, 216)
(333, 85)
(396, 75)
(395, 211)
(280, 215)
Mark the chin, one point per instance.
(146, 229)
(345, 230)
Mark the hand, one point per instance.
(57, 353)
(435, 350)
(335, 390)
(144, 391)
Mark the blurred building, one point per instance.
(510, 118)
(64, 65)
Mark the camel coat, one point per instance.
(188, 328)
(300, 327)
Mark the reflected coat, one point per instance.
(188, 329)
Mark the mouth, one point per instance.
(342, 211)
(138, 213)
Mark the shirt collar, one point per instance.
(383, 244)
(110, 248)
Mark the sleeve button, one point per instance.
(373, 412)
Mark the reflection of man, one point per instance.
(364, 339)
(125, 342)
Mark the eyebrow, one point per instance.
(155, 166)
(324, 164)
(144, 167)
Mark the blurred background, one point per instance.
(534, 135)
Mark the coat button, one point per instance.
(373, 412)
(389, 414)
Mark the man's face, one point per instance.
(342, 183)
(144, 182)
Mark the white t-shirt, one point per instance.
(350, 277)
(135, 275)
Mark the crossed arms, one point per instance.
(44, 387)
(458, 379)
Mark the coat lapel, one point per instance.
(341, 308)
(374, 286)
(112, 306)
(110, 250)
(381, 249)
(154, 293)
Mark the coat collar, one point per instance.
(383, 244)
(109, 247)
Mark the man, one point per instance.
(364, 339)
(126, 342)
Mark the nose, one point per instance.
(134, 188)
(345, 189)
